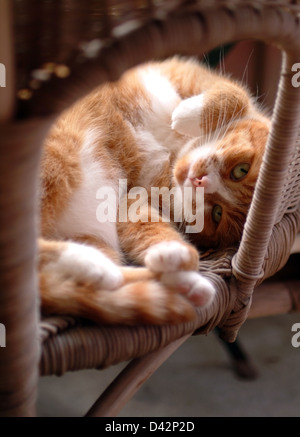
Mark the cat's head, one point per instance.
(227, 167)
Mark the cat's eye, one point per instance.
(239, 171)
(217, 213)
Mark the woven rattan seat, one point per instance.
(55, 52)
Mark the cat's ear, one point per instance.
(215, 108)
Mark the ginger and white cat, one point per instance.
(170, 124)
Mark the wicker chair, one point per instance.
(56, 51)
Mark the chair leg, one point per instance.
(241, 362)
(130, 380)
(19, 161)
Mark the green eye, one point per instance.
(239, 171)
(217, 213)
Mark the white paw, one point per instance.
(166, 256)
(196, 288)
(85, 263)
(186, 116)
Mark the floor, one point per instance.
(198, 379)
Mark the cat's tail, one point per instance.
(146, 302)
(68, 287)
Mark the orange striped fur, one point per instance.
(170, 124)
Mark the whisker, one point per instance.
(247, 67)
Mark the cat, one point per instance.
(173, 124)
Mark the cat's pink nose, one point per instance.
(200, 182)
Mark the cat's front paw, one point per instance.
(87, 264)
(186, 116)
(170, 256)
(193, 285)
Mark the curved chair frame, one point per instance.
(91, 46)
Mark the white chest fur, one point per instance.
(80, 216)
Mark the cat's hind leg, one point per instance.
(81, 281)
(80, 261)
(211, 110)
